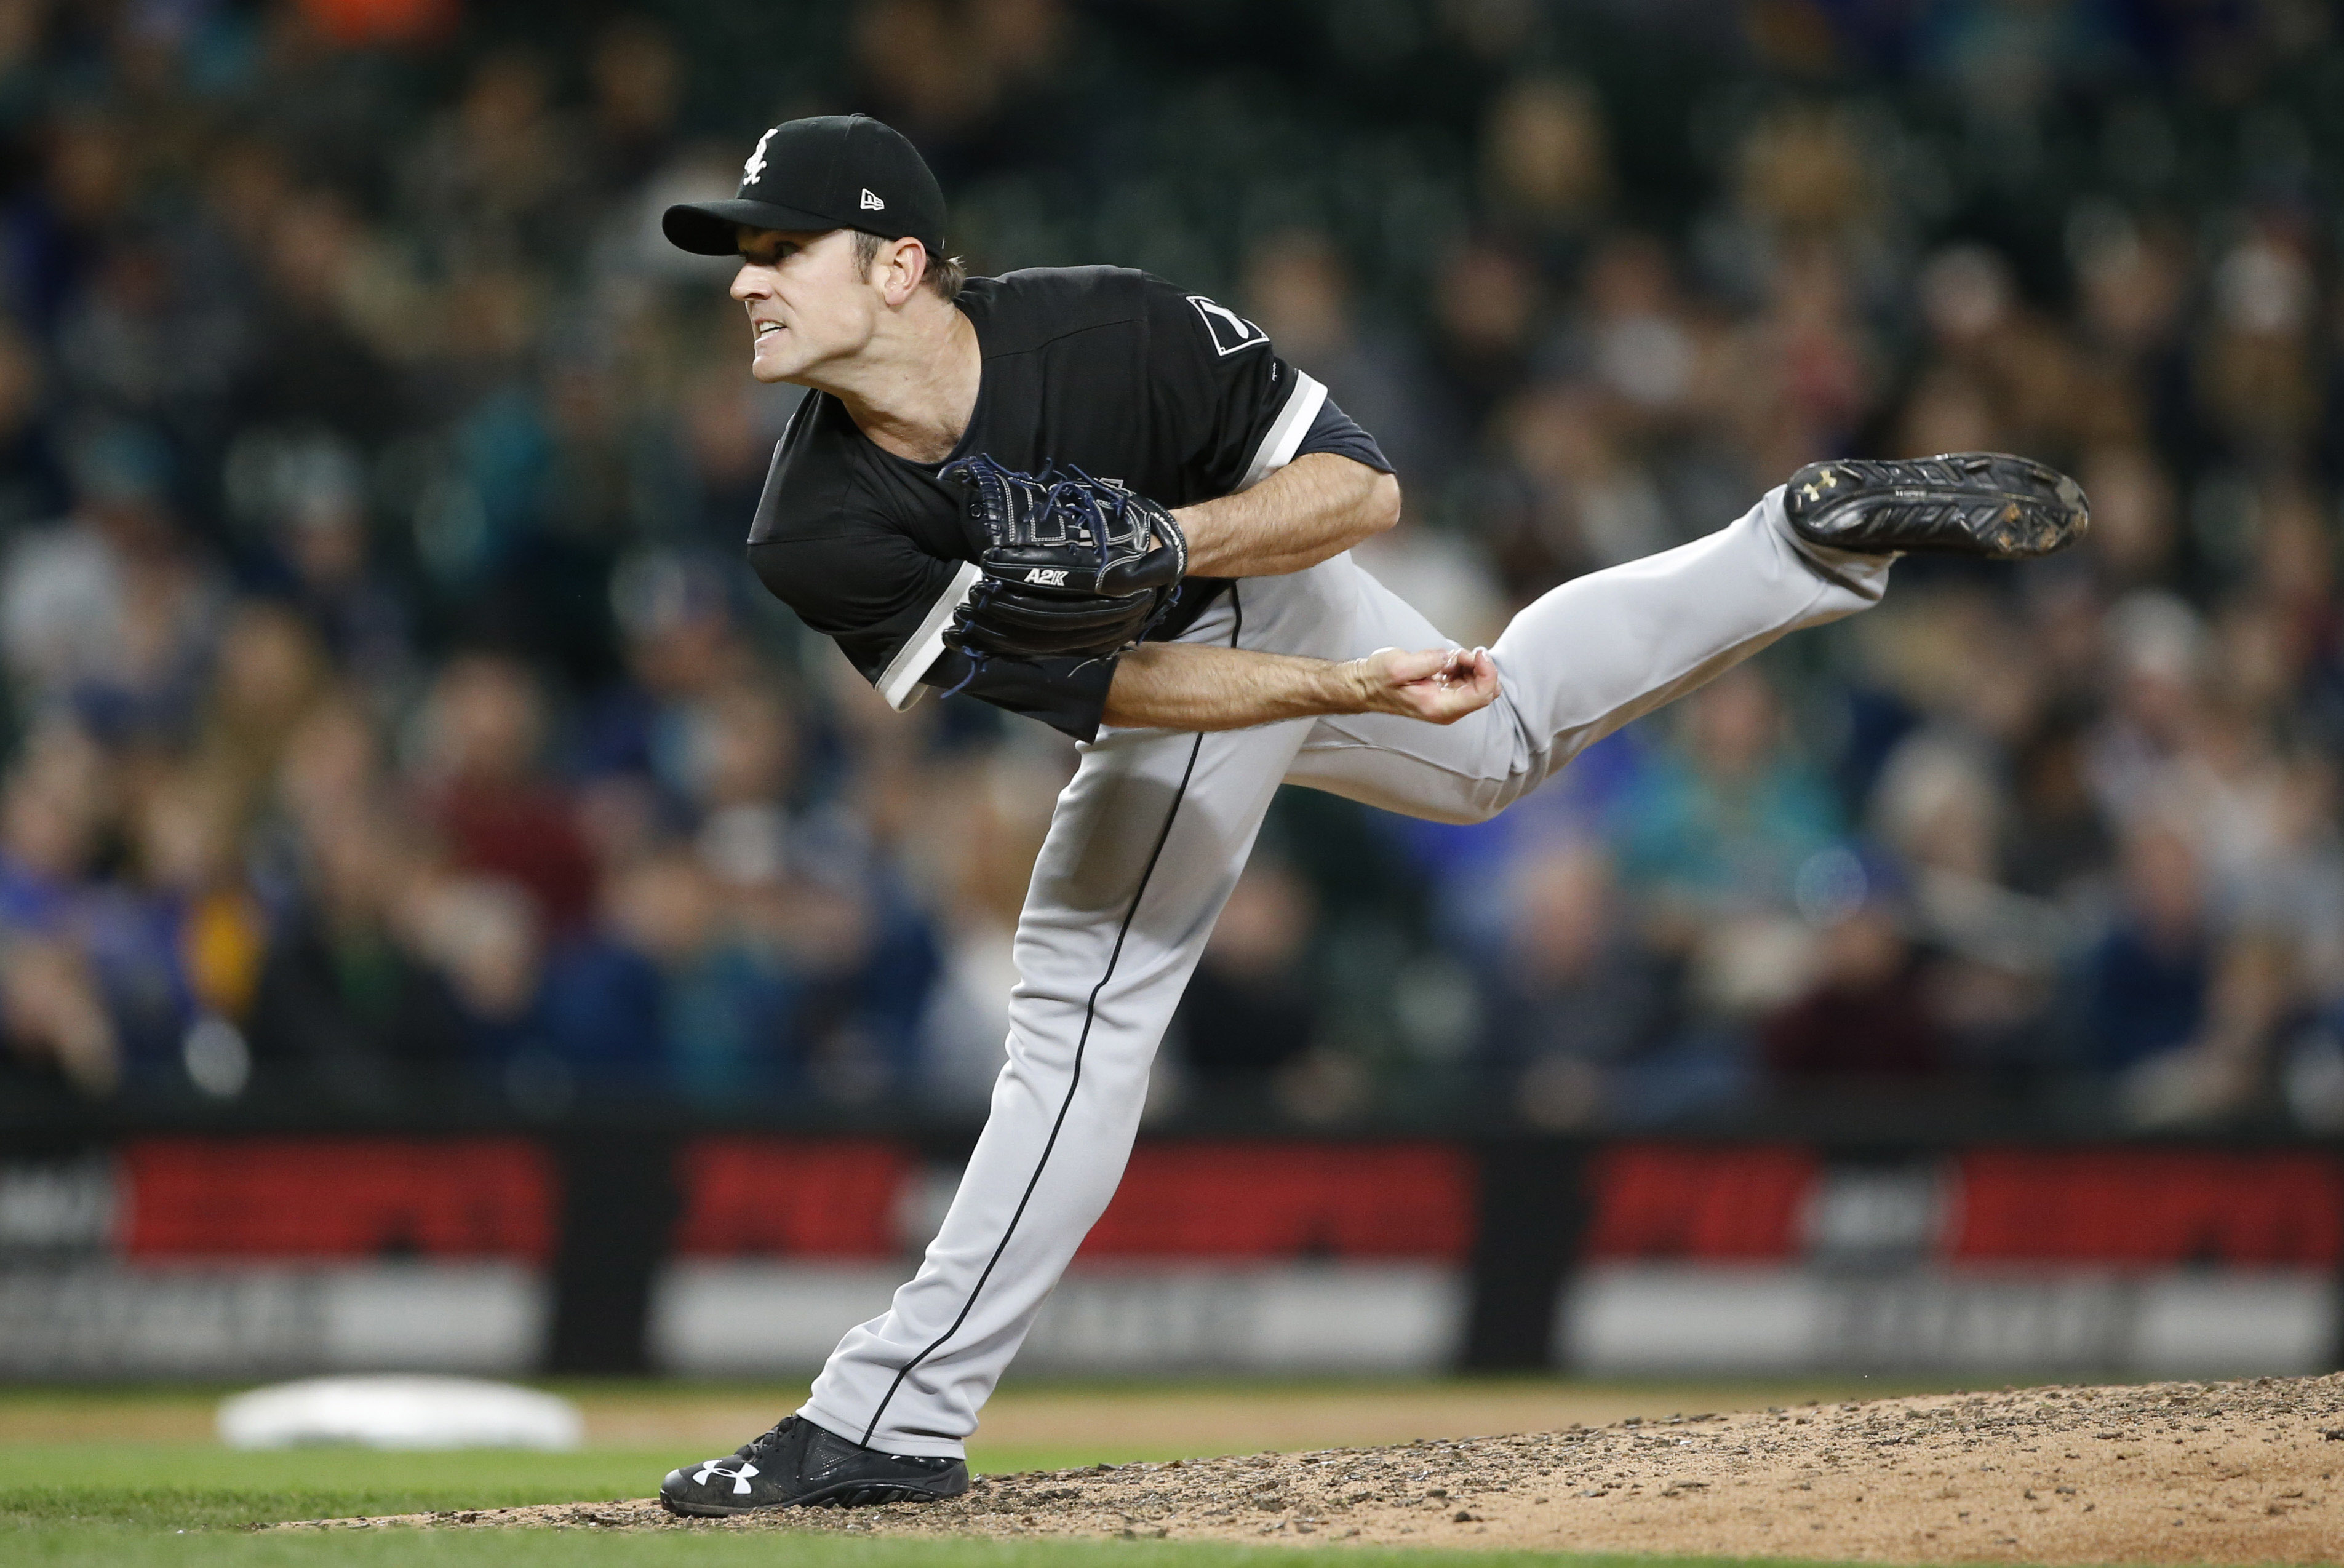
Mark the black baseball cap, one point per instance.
(831, 171)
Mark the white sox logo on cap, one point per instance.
(754, 169)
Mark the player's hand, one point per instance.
(1439, 685)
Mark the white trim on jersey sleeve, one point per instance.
(900, 682)
(1286, 431)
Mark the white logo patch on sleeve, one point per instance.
(1229, 331)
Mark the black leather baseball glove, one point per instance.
(1074, 566)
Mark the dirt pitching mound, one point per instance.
(2167, 1474)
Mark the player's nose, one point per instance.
(749, 283)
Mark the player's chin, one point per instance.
(772, 360)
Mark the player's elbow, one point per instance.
(1380, 508)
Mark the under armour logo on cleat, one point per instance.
(872, 203)
(1047, 577)
(739, 1478)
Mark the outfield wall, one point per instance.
(245, 1256)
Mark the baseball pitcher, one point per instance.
(1085, 495)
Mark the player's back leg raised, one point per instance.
(1604, 649)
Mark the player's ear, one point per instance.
(903, 269)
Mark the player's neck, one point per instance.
(913, 389)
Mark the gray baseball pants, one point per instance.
(1148, 839)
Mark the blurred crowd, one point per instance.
(389, 714)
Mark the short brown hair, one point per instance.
(944, 277)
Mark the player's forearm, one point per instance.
(1311, 511)
(1179, 686)
(1189, 687)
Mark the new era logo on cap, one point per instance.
(872, 203)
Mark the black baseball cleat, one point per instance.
(798, 1465)
(1992, 504)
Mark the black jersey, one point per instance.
(1114, 371)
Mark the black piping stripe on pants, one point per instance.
(1081, 1043)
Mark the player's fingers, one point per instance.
(1402, 666)
(1444, 701)
(1470, 697)
(1477, 685)
(1469, 669)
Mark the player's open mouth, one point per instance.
(766, 327)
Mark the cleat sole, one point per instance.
(845, 1494)
(1993, 504)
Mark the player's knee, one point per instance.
(1497, 794)
(1486, 802)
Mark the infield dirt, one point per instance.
(2165, 1473)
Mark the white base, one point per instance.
(409, 1413)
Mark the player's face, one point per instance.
(809, 305)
